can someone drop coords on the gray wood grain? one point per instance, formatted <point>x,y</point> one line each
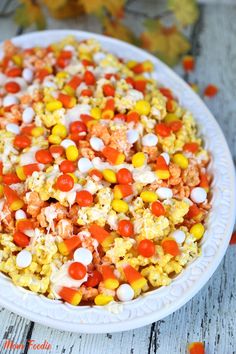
<point>210,315</point>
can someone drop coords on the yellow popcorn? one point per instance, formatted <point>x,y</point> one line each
<point>177,210</point>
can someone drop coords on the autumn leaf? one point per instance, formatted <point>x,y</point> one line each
<point>186,11</point>
<point>167,43</point>
<point>116,29</point>
<point>61,9</point>
<point>114,7</point>
<point>29,13</point>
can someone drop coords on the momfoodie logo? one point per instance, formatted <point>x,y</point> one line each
<point>31,344</point>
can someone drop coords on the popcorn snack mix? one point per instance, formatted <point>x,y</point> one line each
<point>104,187</point>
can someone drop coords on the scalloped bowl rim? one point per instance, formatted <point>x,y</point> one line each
<point>159,303</point>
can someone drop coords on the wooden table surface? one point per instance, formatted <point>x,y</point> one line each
<point>210,315</point>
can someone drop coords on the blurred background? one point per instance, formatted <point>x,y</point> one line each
<point>162,27</point>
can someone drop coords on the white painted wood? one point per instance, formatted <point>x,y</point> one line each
<point>210,315</point>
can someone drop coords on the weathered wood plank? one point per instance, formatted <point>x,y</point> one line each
<point>209,316</point>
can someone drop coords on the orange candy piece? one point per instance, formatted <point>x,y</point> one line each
<point>122,191</point>
<point>109,278</point>
<point>69,245</point>
<point>98,232</point>
<point>70,295</point>
<point>12,198</point>
<point>170,246</point>
<point>66,100</point>
<point>211,91</point>
<point>134,278</point>
<point>23,225</point>
<point>196,348</point>
<point>161,163</point>
<point>204,182</point>
<point>113,156</point>
<point>188,63</point>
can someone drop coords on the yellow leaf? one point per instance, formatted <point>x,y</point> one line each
<point>61,9</point>
<point>185,11</point>
<point>165,42</point>
<point>114,7</point>
<point>30,13</point>
<point>118,30</point>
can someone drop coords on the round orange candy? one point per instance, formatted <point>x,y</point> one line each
<point>124,176</point>
<point>77,270</point>
<point>126,228</point>
<point>67,166</point>
<point>21,141</point>
<point>12,87</point>
<point>157,209</point>
<point>43,156</point>
<point>84,198</point>
<point>21,239</point>
<point>65,183</point>
<point>146,248</point>
<point>162,129</point>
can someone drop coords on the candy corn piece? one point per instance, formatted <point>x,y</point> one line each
<point>71,296</point>
<point>122,190</point>
<point>74,82</point>
<point>67,100</point>
<point>196,348</point>
<point>27,170</point>
<point>108,111</point>
<point>188,63</point>
<point>194,212</point>
<point>170,246</point>
<point>109,278</point>
<point>162,170</point>
<point>68,245</point>
<point>101,235</point>
<point>134,278</point>
<point>102,300</point>
<point>204,182</point>
<point>113,156</point>
<point>24,225</point>
<point>87,119</point>
<point>12,198</point>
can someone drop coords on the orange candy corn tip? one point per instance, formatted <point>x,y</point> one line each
<point>134,278</point>
<point>12,198</point>
<point>113,156</point>
<point>71,296</point>
<point>66,246</point>
<point>101,235</point>
<point>109,278</point>
<point>196,348</point>
<point>122,191</point>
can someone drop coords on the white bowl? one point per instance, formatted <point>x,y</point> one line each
<point>159,303</point>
